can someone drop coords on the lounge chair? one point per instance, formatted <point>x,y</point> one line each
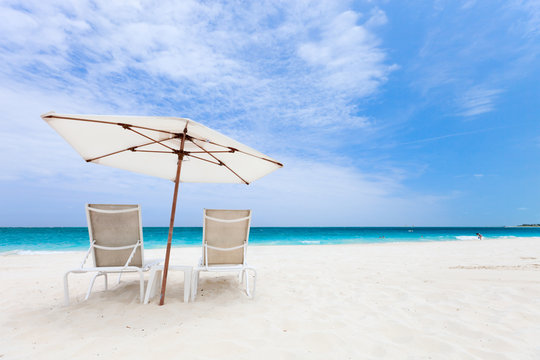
<point>225,240</point>
<point>116,244</point>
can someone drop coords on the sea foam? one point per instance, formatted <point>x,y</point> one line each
<point>32,252</point>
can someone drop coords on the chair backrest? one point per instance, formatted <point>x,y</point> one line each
<point>225,236</point>
<point>115,226</point>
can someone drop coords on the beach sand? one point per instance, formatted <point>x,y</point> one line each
<point>433,300</point>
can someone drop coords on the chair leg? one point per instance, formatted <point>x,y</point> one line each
<point>106,281</point>
<point>252,293</point>
<point>157,282</point>
<point>150,286</point>
<point>66,288</point>
<point>187,285</point>
<point>194,284</point>
<point>241,277</point>
<point>254,283</point>
<point>246,275</point>
<point>91,285</point>
<point>141,283</point>
<point>153,282</point>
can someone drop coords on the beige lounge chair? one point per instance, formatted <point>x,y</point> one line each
<point>225,241</point>
<point>116,244</point>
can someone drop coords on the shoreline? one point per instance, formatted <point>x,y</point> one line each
<point>22,252</point>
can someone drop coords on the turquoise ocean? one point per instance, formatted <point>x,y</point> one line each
<point>38,240</point>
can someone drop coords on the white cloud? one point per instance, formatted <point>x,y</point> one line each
<point>531,9</point>
<point>377,18</point>
<point>468,4</point>
<point>209,60</point>
<point>323,193</point>
<point>348,54</point>
<point>235,69</point>
<point>441,137</point>
<point>493,44</point>
<point>478,100</point>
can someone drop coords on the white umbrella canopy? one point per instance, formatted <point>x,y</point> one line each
<point>149,145</point>
<point>177,149</point>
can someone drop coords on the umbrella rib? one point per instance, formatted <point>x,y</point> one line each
<point>189,137</point>
<point>111,123</point>
<point>220,162</point>
<point>200,158</point>
<point>210,151</point>
<point>132,148</point>
<point>128,127</point>
<point>155,151</point>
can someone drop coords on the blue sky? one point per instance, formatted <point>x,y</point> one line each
<point>384,113</point>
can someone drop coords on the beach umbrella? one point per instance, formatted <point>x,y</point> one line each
<point>177,149</point>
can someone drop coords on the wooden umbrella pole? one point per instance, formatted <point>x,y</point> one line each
<point>173,213</point>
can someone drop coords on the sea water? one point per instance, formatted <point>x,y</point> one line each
<point>32,240</point>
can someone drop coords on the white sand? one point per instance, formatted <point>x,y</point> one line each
<point>446,300</point>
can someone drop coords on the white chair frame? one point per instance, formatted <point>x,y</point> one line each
<point>241,268</point>
<point>104,270</point>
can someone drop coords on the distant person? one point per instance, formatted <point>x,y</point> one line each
<point>480,237</point>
